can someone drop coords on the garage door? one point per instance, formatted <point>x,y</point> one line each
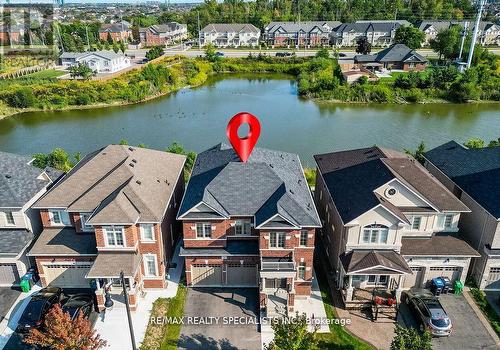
<point>452,272</point>
<point>8,274</point>
<point>206,275</point>
<point>239,275</point>
<point>493,281</point>
<point>67,275</point>
<point>414,280</point>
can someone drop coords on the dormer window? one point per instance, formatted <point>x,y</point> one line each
<point>444,221</point>
<point>59,218</point>
<point>415,223</point>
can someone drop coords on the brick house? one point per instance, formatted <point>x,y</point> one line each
<point>119,31</point>
<point>292,34</point>
<point>113,212</point>
<point>162,34</point>
<point>21,185</point>
<point>377,33</point>
<point>387,223</point>
<point>250,225</point>
<point>398,56</point>
<point>473,175</point>
<point>13,34</point>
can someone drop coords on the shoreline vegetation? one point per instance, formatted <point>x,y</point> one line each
<point>318,78</point>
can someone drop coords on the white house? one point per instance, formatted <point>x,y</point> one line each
<point>98,61</point>
<point>230,34</point>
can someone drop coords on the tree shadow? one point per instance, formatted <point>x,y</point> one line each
<point>202,342</point>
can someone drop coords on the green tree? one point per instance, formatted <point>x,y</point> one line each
<point>81,70</point>
<point>409,36</point>
<point>109,39</point>
<point>123,142</point>
<point>116,48</point>
<point>210,53</point>
<point>57,159</point>
<point>494,143</point>
<point>447,42</point>
<point>323,53</point>
<point>410,339</point>
<point>363,47</point>
<point>418,154</point>
<point>475,143</point>
<point>292,335</point>
<point>177,148</point>
<point>21,97</point>
<point>122,47</point>
<point>155,52</point>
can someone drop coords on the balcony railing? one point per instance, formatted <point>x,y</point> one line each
<point>278,266</point>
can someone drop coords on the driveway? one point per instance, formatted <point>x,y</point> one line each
<point>240,303</point>
<point>467,328</point>
<point>8,295</point>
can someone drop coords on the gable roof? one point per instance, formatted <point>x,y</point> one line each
<point>374,261</point>
<point>231,27</point>
<point>269,183</point>
<point>398,53</point>
<point>20,181</point>
<point>108,55</point>
<point>476,171</point>
<point>116,27</point>
<point>370,26</point>
<point>163,28</point>
<point>119,184</point>
<point>352,177</point>
<point>306,26</point>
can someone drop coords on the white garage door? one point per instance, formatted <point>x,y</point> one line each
<point>415,279</point>
<point>493,281</point>
<point>206,275</point>
<point>452,272</point>
<point>8,274</point>
<point>67,275</point>
<point>239,275</point>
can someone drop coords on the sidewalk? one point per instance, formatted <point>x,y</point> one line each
<point>112,325</point>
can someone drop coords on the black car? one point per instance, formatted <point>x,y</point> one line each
<point>79,304</point>
<point>284,54</point>
<point>429,311</point>
<point>38,307</point>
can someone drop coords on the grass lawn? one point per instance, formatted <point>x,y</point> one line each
<point>44,74</point>
<point>338,338</point>
<point>486,308</point>
<point>165,336</point>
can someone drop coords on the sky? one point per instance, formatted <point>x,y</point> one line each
<point>94,1</point>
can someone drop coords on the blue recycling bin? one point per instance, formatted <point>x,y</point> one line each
<point>437,285</point>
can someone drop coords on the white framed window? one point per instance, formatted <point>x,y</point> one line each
<point>415,223</point>
<point>203,230</point>
<point>84,217</point>
<point>303,238</point>
<point>376,234</point>
<point>301,271</point>
<point>277,239</point>
<point>114,236</point>
<point>9,218</point>
<point>59,218</point>
<point>150,265</point>
<point>147,232</point>
<point>444,221</point>
<point>242,227</point>
<point>448,221</point>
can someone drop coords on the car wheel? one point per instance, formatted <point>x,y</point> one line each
<point>422,328</point>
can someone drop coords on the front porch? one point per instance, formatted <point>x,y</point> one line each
<point>277,292</point>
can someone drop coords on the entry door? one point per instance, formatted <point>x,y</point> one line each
<point>275,283</point>
<point>8,274</point>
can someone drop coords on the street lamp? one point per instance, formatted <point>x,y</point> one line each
<point>130,326</point>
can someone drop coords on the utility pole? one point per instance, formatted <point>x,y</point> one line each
<point>476,29</point>
<point>199,30</point>
<point>464,35</point>
<point>87,34</point>
<point>130,326</point>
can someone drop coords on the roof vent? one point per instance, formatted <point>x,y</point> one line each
<point>138,182</point>
<point>8,176</point>
<point>134,160</point>
<point>131,164</point>
<point>131,149</point>
<point>158,180</point>
<point>272,166</point>
<point>292,192</point>
<point>166,181</point>
<point>299,181</point>
<point>281,156</point>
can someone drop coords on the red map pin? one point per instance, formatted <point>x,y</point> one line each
<point>243,146</point>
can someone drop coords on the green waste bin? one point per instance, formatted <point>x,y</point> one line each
<point>458,287</point>
<point>25,285</point>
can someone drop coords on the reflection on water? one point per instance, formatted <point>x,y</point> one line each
<point>197,118</point>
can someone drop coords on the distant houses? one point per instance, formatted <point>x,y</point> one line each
<point>98,61</point>
<point>13,34</point>
<point>162,34</point>
<point>118,31</point>
<point>291,34</point>
<point>230,35</point>
<point>488,32</point>
<point>378,33</point>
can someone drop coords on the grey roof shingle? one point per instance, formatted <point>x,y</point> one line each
<point>269,183</point>
<point>437,245</point>
<point>110,264</point>
<point>63,241</point>
<point>13,242</point>
<point>231,27</point>
<point>395,53</point>
<point>20,181</point>
<point>306,26</point>
<point>476,171</point>
<point>363,260</point>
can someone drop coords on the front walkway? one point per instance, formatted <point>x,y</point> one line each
<point>112,325</point>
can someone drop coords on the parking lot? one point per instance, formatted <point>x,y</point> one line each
<point>468,331</point>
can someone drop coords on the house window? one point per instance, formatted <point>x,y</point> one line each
<point>415,223</point>
<point>84,217</point>
<point>376,234</point>
<point>301,270</point>
<point>242,227</point>
<point>150,266</point>
<point>203,230</point>
<point>303,238</point>
<point>59,218</point>
<point>277,240</point>
<point>147,232</point>
<point>448,221</point>
<point>9,218</point>
<point>114,236</point>
<point>444,221</point>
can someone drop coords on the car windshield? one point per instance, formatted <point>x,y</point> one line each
<point>33,311</point>
<point>438,316</point>
<point>441,322</point>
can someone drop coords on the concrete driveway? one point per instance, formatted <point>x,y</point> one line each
<point>468,331</point>
<point>8,295</point>
<point>241,303</point>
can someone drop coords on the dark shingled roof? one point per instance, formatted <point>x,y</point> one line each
<point>233,248</point>
<point>63,241</point>
<point>476,171</point>
<point>20,181</point>
<point>437,245</point>
<point>378,260</point>
<point>110,264</point>
<point>269,183</point>
<point>352,177</point>
<point>395,53</point>
<point>13,242</point>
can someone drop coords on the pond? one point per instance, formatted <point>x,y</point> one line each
<point>197,118</point>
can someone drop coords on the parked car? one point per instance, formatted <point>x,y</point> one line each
<point>284,54</point>
<point>79,304</point>
<point>219,54</point>
<point>429,312</point>
<point>38,307</point>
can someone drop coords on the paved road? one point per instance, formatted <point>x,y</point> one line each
<point>468,331</point>
<point>7,298</point>
<point>214,302</point>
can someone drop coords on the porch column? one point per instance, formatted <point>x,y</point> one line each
<point>399,289</point>
<point>350,289</point>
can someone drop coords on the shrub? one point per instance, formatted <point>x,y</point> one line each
<point>83,99</point>
<point>414,95</point>
<point>22,97</point>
